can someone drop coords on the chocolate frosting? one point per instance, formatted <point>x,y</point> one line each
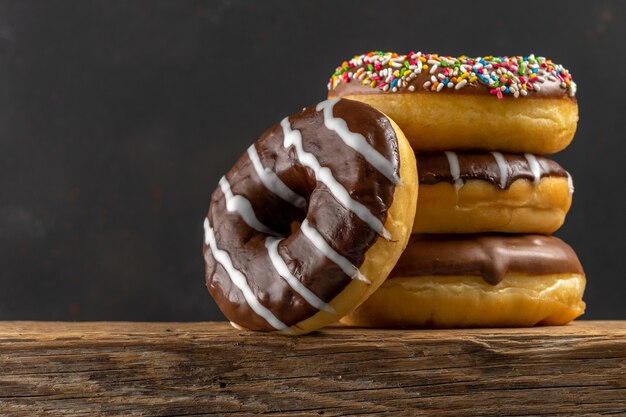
<point>549,89</point>
<point>435,167</point>
<point>490,256</point>
<point>348,234</point>
<point>387,73</point>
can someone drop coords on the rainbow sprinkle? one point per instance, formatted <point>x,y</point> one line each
<point>516,75</point>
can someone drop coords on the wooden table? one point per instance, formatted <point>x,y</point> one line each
<point>158,369</point>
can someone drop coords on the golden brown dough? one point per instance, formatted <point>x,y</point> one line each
<point>439,122</point>
<point>468,301</point>
<point>481,206</point>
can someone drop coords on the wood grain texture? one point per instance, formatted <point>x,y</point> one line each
<point>174,369</point>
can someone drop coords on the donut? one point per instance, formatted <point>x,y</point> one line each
<point>464,192</point>
<point>510,104</point>
<point>311,219</point>
<point>478,280</point>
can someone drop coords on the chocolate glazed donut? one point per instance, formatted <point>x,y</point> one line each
<point>338,170</point>
<point>478,280</point>
<point>470,192</point>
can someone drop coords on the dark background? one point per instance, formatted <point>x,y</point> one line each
<point>117,119</point>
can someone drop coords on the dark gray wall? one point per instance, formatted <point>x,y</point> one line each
<point>117,118</point>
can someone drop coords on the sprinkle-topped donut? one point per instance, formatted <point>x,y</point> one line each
<point>311,219</point>
<point>500,76</point>
<point>445,103</point>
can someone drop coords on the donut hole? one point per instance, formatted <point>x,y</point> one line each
<point>280,215</point>
<point>284,218</point>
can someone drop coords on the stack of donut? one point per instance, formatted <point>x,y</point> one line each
<point>481,253</point>
<point>415,196</point>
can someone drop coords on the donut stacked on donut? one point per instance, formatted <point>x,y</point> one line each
<point>518,104</point>
<point>481,254</point>
<point>478,280</point>
<point>311,219</point>
<point>469,192</point>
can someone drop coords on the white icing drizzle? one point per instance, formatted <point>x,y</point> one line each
<point>242,205</point>
<point>535,168</point>
<point>503,166</point>
<point>281,267</point>
<point>356,141</point>
<point>272,182</point>
<point>325,176</point>
<point>318,241</point>
<point>455,169</point>
<point>239,280</point>
<point>570,184</point>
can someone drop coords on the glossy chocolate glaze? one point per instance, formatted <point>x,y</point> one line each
<point>350,236</point>
<point>549,89</point>
<point>434,167</point>
<point>490,256</point>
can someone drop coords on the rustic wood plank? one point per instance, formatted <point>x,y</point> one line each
<point>158,369</point>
